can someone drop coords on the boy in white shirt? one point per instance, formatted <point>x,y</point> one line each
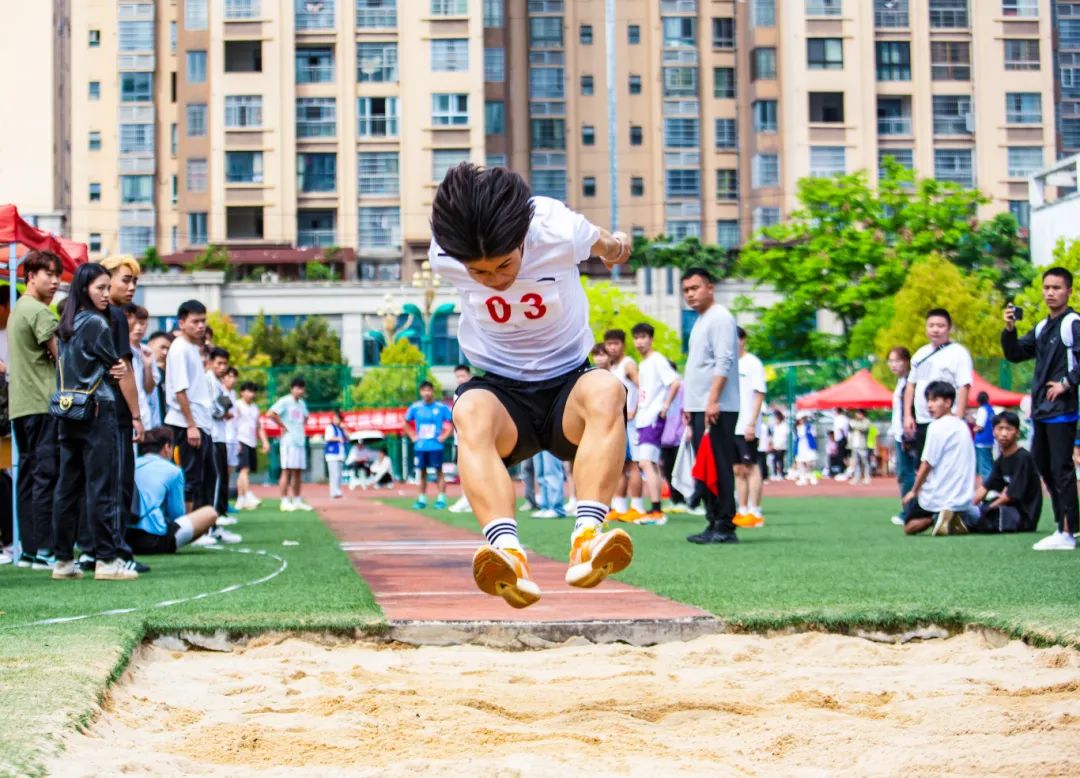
<point>657,384</point>
<point>945,484</point>
<point>747,473</point>
<point>249,434</point>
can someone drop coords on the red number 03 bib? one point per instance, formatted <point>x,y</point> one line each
<point>524,306</point>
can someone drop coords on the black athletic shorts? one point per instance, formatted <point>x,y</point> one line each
<point>745,450</point>
<point>143,543</point>
<point>536,408</point>
<point>248,459</point>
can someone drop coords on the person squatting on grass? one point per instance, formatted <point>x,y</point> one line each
<point>939,360</point>
<point>944,487</point>
<point>1054,344</point>
<point>428,424</point>
<point>1010,497</point>
<point>290,413</point>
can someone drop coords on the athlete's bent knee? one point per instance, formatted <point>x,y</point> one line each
<point>605,399</point>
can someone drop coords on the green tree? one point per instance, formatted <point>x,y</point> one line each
<point>611,308</point>
<point>312,342</point>
<point>269,338</point>
<point>688,253</point>
<point>997,252</point>
<point>242,350</point>
<point>1066,255</point>
<point>151,261</point>
<point>212,258</point>
<point>394,383</point>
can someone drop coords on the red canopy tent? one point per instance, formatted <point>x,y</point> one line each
<point>22,237</point>
<point>998,396</point>
<point>859,391</point>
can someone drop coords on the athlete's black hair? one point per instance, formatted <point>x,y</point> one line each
<point>643,328</point>
<point>217,352</point>
<point>698,271</point>
<point>427,385</point>
<point>618,335</point>
<point>983,398</point>
<point>1061,273</point>
<point>1007,417</point>
<point>741,333</point>
<point>940,312</point>
<point>941,390</point>
<point>189,307</point>
<point>481,212</point>
<point>298,382</point>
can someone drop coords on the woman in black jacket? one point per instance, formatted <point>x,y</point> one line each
<point>89,450</point>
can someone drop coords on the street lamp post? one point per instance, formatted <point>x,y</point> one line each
<point>429,281</point>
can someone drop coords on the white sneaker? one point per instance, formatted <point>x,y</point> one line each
<point>227,521</point>
<point>205,540</point>
<point>300,505</point>
<point>252,500</point>
<point>116,570</point>
<point>68,569</point>
<point>571,505</point>
<point>5,558</point>
<point>698,511</point>
<point>1059,541</point>
<point>224,536</point>
<point>897,521</point>
<point>287,506</point>
<point>546,513</point>
<point>242,503</point>
<point>461,506</point>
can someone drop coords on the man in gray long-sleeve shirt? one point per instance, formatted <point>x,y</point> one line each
<point>711,398</point>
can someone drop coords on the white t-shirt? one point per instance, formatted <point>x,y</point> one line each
<point>138,366</point>
<point>751,381</point>
<point>951,453</point>
<point>539,327</point>
<point>896,425</point>
<point>620,371</point>
<point>655,377</point>
<point>951,363</point>
<point>217,425</point>
<point>230,424</point>
<point>184,372</point>
<point>780,435</point>
<point>247,423</point>
<point>840,427</point>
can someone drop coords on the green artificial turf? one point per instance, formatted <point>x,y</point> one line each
<point>838,563</point>
<point>50,676</point>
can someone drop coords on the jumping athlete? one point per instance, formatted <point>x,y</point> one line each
<point>525,322</point>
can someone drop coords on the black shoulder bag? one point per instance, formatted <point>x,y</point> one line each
<point>73,404</point>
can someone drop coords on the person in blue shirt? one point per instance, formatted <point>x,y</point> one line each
<point>162,526</point>
<point>428,424</point>
<point>984,438</point>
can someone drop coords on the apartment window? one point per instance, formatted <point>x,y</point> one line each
<point>316,117</point>
<point>1068,29</point>
<point>724,82</point>
<point>585,34</point>
<point>172,37</point>
<point>94,90</point>
<point>196,119</point>
<point>1024,160</point>
<point>1022,54</point>
<point>378,173</point>
<point>727,234</point>
<point>681,229</point>
<point>376,63</point>
<point>136,36</point>
<point>635,85</point>
<point>172,87</point>
<point>586,86</point>
<point>377,117</point>
<point>588,186</point>
<point>763,64</point>
<point>315,65</point>
<point>893,60</point>
<point>376,14</point>
<point>723,33</point>
<point>682,133</point>
<point>637,135</point>
<point>95,242</point>
<point>637,186</point>
<point>242,9</point>
<point>549,183</point>
<point>1021,8</point>
<point>244,167</point>
<point>379,228</point>
<point>449,110</point>
<point>764,217</point>
<point>1021,211</point>
<point>136,138</point>
<point>588,135</point>
<point>546,83</point>
<point>95,141</point>
<point>546,32</point>
<point>727,184</point>
<point>765,115</point>
<point>196,67</point>
<point>1069,132</point>
<point>95,192</point>
<point>243,56</point>
<point>314,14</point>
<point>135,240</point>
<point>765,170</point>
<point>243,110</point>
<point>493,14</point>
<point>825,53</point>
<point>196,175</point>
<point>823,7</point>
<point>95,38</point>
<point>494,117</point>
<point>136,87</point>
<point>197,228</point>
<point>893,115</point>
<point>495,160</point>
<point>548,133</point>
<point>950,61</point>
<point>1023,108</point>
<point>954,165</point>
<point>905,157</point>
<point>195,15</point>
<point>444,159</point>
<point>450,55</point>
<point>680,82</point>
<point>682,183</point>
<point>679,32</point>
<point>449,7</point>
<point>494,65</point>
<point>952,115</point>
<point>763,13</point>
<point>316,172</point>
<point>891,14</point>
<point>726,134</point>
<point>949,14</point>
<point>175,191</point>
<point>827,161</point>
<point>827,107</point>
<point>174,138</point>
<point>633,34</point>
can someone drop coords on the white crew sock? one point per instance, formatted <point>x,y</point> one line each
<point>638,504</point>
<point>756,511</point>
<point>743,510</point>
<point>589,514</point>
<point>619,505</point>
<point>502,533</point>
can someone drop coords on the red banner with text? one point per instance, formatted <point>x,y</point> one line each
<point>387,420</point>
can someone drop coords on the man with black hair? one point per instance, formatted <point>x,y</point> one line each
<point>628,504</point>
<point>249,434</point>
<point>984,436</point>
<point>658,383</point>
<point>942,359</point>
<point>1010,498</point>
<point>158,353</point>
<point>220,412</point>
<point>748,479</point>
<point>428,424</point>
<point>525,321</point>
<point>290,413</point>
<point>1054,344</point>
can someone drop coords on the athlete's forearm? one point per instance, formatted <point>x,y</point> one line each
<point>613,248</point>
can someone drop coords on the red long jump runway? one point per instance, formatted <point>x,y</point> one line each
<point>420,569</point>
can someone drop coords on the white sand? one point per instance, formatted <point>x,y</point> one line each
<point>809,704</point>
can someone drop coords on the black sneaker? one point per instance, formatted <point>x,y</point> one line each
<point>702,537</point>
<point>711,536</point>
<point>87,563</point>
<point>25,561</point>
<point>140,567</point>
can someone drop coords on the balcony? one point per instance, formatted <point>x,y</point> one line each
<point>314,74</point>
<point>242,9</point>
<point>314,15</point>
<point>368,18</point>
<point>953,125</point>
<point>318,239</point>
<point>894,125</point>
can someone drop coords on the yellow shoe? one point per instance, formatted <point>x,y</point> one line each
<point>632,516</point>
<point>595,555</point>
<point>748,520</point>
<point>505,573</point>
<point>614,515</point>
<point>656,519</point>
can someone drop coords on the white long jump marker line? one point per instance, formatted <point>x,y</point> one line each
<point>168,603</point>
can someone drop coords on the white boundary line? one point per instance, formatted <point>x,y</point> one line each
<point>167,603</point>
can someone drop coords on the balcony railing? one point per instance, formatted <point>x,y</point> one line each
<point>315,14</point>
<point>242,9</point>
<point>951,125</point>
<point>314,74</point>
<point>316,238</point>
<point>894,125</point>
<point>375,18</point>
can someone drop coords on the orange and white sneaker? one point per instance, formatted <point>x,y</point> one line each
<point>748,520</point>
<point>653,518</point>
<point>504,572</point>
<point>595,555</point>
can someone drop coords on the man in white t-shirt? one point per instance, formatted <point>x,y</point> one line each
<point>249,434</point>
<point>525,322</point>
<point>747,472</point>
<point>627,505</point>
<point>939,360</point>
<point>945,484</point>
<point>658,383</point>
<point>290,412</point>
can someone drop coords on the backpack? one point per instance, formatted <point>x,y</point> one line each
<point>1067,322</point>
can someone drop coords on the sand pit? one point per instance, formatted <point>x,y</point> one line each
<point>800,705</point>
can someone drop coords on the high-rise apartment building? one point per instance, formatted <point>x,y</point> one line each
<point>1066,36</point>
